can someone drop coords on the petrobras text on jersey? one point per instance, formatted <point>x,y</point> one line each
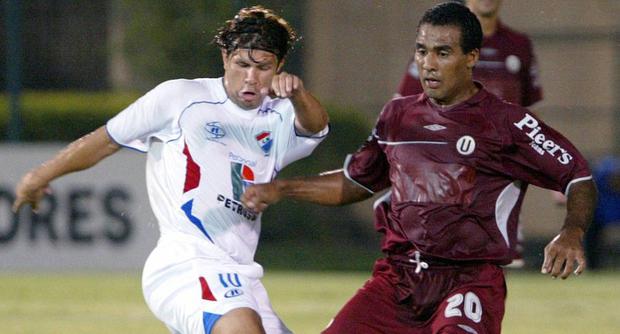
<point>237,207</point>
<point>540,143</point>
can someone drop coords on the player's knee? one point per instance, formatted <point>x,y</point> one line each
<point>239,321</point>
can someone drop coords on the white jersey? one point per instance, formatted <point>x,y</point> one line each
<point>203,151</point>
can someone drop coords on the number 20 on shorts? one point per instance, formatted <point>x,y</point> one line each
<point>468,304</point>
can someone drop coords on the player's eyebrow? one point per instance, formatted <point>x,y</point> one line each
<point>436,48</point>
<point>444,47</point>
<point>249,58</point>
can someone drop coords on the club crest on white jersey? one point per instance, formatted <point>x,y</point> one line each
<point>264,141</point>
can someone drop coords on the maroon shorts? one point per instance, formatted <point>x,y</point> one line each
<point>439,299</point>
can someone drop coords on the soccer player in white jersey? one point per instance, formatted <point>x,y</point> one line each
<point>207,140</point>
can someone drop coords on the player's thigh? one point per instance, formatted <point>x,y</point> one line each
<point>271,321</point>
<point>475,309</point>
<point>239,321</point>
<point>260,318</point>
<point>457,330</point>
<point>372,310</point>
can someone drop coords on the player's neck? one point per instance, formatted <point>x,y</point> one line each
<point>489,25</point>
<point>466,92</point>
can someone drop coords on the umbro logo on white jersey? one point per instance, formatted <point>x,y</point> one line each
<point>434,127</point>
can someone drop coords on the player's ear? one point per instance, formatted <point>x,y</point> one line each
<point>472,58</point>
<point>224,57</point>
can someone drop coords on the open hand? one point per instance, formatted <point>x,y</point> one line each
<point>563,252</point>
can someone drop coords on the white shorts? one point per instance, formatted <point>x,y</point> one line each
<point>190,295</point>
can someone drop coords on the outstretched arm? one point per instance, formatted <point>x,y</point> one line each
<point>80,154</point>
<point>567,247</point>
<point>331,188</point>
<point>310,116</point>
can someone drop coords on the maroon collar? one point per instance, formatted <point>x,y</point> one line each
<point>473,100</point>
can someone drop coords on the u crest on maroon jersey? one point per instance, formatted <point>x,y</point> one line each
<point>466,145</point>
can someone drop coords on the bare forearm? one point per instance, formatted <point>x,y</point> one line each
<point>309,113</point>
<point>79,155</point>
<point>581,202</point>
<point>327,189</point>
<point>566,248</point>
<point>331,188</point>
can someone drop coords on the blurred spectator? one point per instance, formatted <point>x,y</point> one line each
<point>606,174</point>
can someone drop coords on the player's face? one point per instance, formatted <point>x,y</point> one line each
<point>445,71</point>
<point>247,76</point>
<point>484,8</point>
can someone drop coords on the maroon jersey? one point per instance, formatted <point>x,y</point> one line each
<point>459,174</point>
<point>507,68</point>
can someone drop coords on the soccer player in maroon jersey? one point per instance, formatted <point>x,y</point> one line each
<point>507,67</point>
<point>459,160</point>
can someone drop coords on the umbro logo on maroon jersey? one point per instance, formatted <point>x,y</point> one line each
<point>434,127</point>
<point>540,142</point>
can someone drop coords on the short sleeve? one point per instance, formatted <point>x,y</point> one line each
<point>153,115</point>
<point>292,146</point>
<point>368,167</point>
<point>540,155</point>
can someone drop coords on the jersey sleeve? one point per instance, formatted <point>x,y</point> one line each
<point>532,90</point>
<point>151,116</point>
<point>291,145</point>
<point>369,167</point>
<point>540,155</point>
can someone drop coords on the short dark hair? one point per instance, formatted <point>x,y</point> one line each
<point>455,14</point>
<point>257,28</point>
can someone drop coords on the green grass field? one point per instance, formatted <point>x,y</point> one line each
<point>112,303</point>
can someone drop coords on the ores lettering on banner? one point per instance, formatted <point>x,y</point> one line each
<point>80,215</point>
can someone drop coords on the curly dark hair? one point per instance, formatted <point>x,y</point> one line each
<point>257,28</point>
<point>455,14</point>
